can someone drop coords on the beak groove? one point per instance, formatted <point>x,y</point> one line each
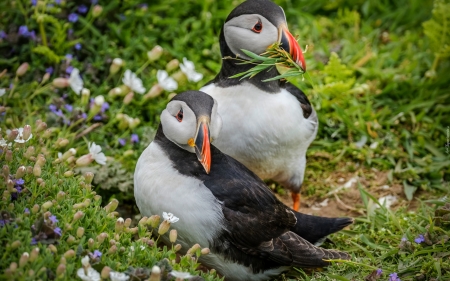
<point>290,44</point>
<point>203,146</point>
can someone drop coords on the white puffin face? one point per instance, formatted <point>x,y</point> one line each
<point>250,32</point>
<point>180,124</point>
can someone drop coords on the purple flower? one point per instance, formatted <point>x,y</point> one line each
<point>32,35</point>
<point>97,117</point>
<point>3,34</point>
<point>27,211</point>
<point>23,30</point>
<point>419,239</point>
<point>69,69</point>
<point>78,46</point>
<point>105,107</point>
<point>82,9</point>
<point>53,219</point>
<point>97,254</point>
<point>33,2</point>
<point>83,115</point>
<point>394,277</point>
<point>122,141</point>
<point>49,70</point>
<point>68,107</point>
<point>58,2</point>
<point>52,108</point>
<point>69,57</point>
<point>20,181</point>
<point>134,138</point>
<point>33,241</point>
<point>57,230</point>
<point>379,272</point>
<point>73,17</point>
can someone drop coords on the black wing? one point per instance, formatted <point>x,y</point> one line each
<point>301,97</point>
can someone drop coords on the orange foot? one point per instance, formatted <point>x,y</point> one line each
<point>296,199</point>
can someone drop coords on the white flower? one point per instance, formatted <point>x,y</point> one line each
<point>19,137</point>
<point>2,92</point>
<point>181,275</point>
<point>4,143</point>
<point>170,217</point>
<point>133,82</point>
<point>75,81</point>
<point>90,274</point>
<point>188,68</point>
<point>97,154</point>
<point>142,247</point>
<point>118,276</point>
<point>118,61</point>
<point>99,100</point>
<point>166,82</point>
<point>85,261</point>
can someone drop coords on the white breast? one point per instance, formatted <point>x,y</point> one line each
<point>159,187</point>
<point>266,132</point>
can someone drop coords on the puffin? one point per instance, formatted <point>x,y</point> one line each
<point>267,126</point>
<point>221,204</point>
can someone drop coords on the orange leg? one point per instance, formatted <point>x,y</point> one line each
<point>296,199</point>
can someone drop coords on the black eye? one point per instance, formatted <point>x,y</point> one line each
<point>258,27</point>
<point>179,115</point>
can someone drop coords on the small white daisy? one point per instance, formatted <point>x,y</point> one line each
<point>188,68</point>
<point>19,138</point>
<point>181,275</point>
<point>75,81</point>
<point>118,276</point>
<point>170,217</point>
<point>133,82</point>
<point>89,275</point>
<point>165,81</point>
<point>96,152</point>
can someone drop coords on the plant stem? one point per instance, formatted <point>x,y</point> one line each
<point>43,35</point>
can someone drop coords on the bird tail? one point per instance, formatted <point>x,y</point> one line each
<point>315,229</point>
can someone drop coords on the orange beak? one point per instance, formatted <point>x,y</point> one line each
<point>202,144</point>
<point>290,44</point>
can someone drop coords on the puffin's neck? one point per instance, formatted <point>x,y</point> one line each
<point>232,67</point>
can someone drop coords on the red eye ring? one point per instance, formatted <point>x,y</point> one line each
<point>179,115</point>
<point>257,27</point>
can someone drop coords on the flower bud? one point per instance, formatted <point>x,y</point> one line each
<point>70,240</point>
<point>47,205</point>
<point>5,171</point>
<point>193,249</point>
<point>30,152</point>
<point>163,227</point>
<point>99,100</point>
<point>60,196</point>
<point>35,209</point>
<point>173,236</point>
<point>41,160</point>
<point>60,83</point>
<point>133,124</point>
<point>111,206</point>
<point>153,221</point>
<point>13,267</point>
<point>154,91</point>
<point>101,237</point>
<point>105,272</point>
<point>85,94</point>
<point>112,250</point>
<point>128,98</point>
<point>45,77</point>
<point>26,132</point>
<point>47,133</point>
<point>80,232</point>
<point>78,215</point>
<point>156,274</point>
<point>88,176</point>
<point>172,65</point>
<point>52,248</point>
<point>23,68</point>
<point>63,142</point>
<point>127,222</point>
<point>84,160</point>
<point>205,251</point>
<point>115,92</point>
<point>37,170</point>
<point>155,53</point>
<point>13,135</point>
<point>177,247</point>
<point>115,66</point>
<point>34,254</point>
<point>68,153</point>
<point>23,259</point>
<point>8,155</point>
<point>119,225</point>
<point>10,186</point>
<point>180,77</point>
<point>69,254</point>
<point>41,127</point>
<point>20,172</point>
<point>143,221</point>
<point>68,174</point>
<point>61,270</point>
<point>91,243</point>
<point>97,10</point>
<point>15,244</point>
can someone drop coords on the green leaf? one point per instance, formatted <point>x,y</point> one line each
<point>409,190</point>
<point>49,54</point>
